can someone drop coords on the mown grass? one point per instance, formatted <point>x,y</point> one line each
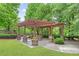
<point>16,48</point>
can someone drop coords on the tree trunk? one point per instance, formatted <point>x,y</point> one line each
<point>8,27</point>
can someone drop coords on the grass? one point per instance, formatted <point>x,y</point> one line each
<point>16,48</point>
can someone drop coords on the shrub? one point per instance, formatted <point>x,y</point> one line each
<point>45,35</point>
<point>59,41</point>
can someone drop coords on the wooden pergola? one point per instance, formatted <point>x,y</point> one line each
<point>37,24</point>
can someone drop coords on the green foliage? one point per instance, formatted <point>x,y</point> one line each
<point>63,12</point>
<point>59,41</point>
<point>8,15</point>
<point>28,31</point>
<point>38,11</point>
<point>45,33</point>
<point>56,31</point>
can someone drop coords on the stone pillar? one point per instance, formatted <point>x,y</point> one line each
<point>34,39</point>
<point>39,34</point>
<point>24,38</point>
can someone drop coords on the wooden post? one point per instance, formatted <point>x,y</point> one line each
<point>37,31</point>
<point>24,30</point>
<point>42,29</point>
<point>18,34</point>
<point>62,31</point>
<point>18,31</point>
<point>50,33</point>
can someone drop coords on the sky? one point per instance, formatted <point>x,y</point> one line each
<point>22,11</point>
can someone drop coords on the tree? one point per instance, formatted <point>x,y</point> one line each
<point>8,15</point>
<point>63,12</point>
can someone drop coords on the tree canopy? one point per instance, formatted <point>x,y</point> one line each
<point>8,15</point>
<point>60,12</point>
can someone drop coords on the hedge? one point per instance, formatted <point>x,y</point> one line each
<point>7,36</point>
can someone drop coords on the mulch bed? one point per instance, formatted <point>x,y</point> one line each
<point>10,37</point>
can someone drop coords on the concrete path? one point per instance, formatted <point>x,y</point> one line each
<point>68,47</point>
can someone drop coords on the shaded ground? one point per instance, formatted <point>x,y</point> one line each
<point>16,48</point>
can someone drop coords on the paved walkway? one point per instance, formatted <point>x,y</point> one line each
<point>68,47</point>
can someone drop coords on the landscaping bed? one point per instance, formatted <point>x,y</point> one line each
<point>74,38</point>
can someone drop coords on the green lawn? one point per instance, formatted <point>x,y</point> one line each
<point>16,48</point>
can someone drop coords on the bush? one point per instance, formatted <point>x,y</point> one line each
<point>45,35</point>
<point>59,41</point>
<point>56,36</point>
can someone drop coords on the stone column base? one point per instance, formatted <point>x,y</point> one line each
<point>18,37</point>
<point>21,38</point>
<point>24,39</point>
<point>50,38</point>
<point>39,37</point>
<point>34,42</point>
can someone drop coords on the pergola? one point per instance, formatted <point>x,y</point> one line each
<point>37,24</point>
